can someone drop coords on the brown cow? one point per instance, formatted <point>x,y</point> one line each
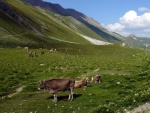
<point>82,83</point>
<point>35,54</point>
<point>30,54</point>
<point>96,79</point>
<point>55,85</point>
<point>42,52</point>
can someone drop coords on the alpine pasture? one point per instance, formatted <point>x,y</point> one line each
<point>125,74</point>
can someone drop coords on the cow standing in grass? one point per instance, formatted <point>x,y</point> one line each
<point>42,52</point>
<point>82,83</point>
<point>51,50</point>
<point>96,79</point>
<point>35,54</point>
<point>30,54</point>
<point>55,85</point>
<point>26,48</point>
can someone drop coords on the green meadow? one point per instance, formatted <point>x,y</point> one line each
<point>125,73</point>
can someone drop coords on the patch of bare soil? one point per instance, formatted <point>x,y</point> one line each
<point>17,91</point>
<point>145,108</point>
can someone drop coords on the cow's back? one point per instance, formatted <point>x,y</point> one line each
<point>60,84</point>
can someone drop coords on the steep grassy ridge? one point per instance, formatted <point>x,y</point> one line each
<point>92,26</point>
<point>21,19</point>
<point>78,27</point>
<point>36,23</point>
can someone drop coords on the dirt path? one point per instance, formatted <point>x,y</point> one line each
<point>17,91</point>
<point>89,73</point>
<point>145,108</point>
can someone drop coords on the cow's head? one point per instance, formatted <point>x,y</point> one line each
<point>42,85</point>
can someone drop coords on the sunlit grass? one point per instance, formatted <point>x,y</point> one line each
<point>125,79</point>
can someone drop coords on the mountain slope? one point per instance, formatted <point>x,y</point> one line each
<point>89,22</point>
<point>32,25</point>
<point>138,42</point>
<point>24,25</point>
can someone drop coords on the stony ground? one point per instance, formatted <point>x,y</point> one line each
<point>145,108</point>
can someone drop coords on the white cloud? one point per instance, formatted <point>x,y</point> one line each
<point>132,23</point>
<point>132,20</point>
<point>115,27</point>
<point>143,9</point>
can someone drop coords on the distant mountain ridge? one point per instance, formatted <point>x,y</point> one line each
<point>137,42</point>
<point>38,23</point>
<point>89,22</point>
<point>56,8</point>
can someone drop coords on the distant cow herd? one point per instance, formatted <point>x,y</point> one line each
<point>34,54</point>
<point>64,84</point>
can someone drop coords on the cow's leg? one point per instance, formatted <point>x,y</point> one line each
<point>55,97</point>
<point>70,94</point>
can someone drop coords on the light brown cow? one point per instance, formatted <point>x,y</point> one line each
<point>30,54</point>
<point>82,83</point>
<point>96,79</point>
<point>55,85</point>
<point>35,54</point>
<point>52,50</point>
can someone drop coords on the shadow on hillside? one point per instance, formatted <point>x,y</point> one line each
<point>65,97</point>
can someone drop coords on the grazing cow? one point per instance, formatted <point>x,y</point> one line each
<point>30,54</point>
<point>26,48</point>
<point>96,79</point>
<point>51,50</point>
<point>42,52</point>
<point>55,50</point>
<point>55,85</point>
<point>35,54</point>
<point>82,83</point>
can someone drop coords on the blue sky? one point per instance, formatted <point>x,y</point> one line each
<point>122,16</point>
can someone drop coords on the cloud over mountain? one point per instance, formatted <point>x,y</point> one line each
<point>116,26</point>
<point>131,22</point>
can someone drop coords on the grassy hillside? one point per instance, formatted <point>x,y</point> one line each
<point>35,24</point>
<point>25,25</point>
<point>125,74</point>
<point>138,42</point>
